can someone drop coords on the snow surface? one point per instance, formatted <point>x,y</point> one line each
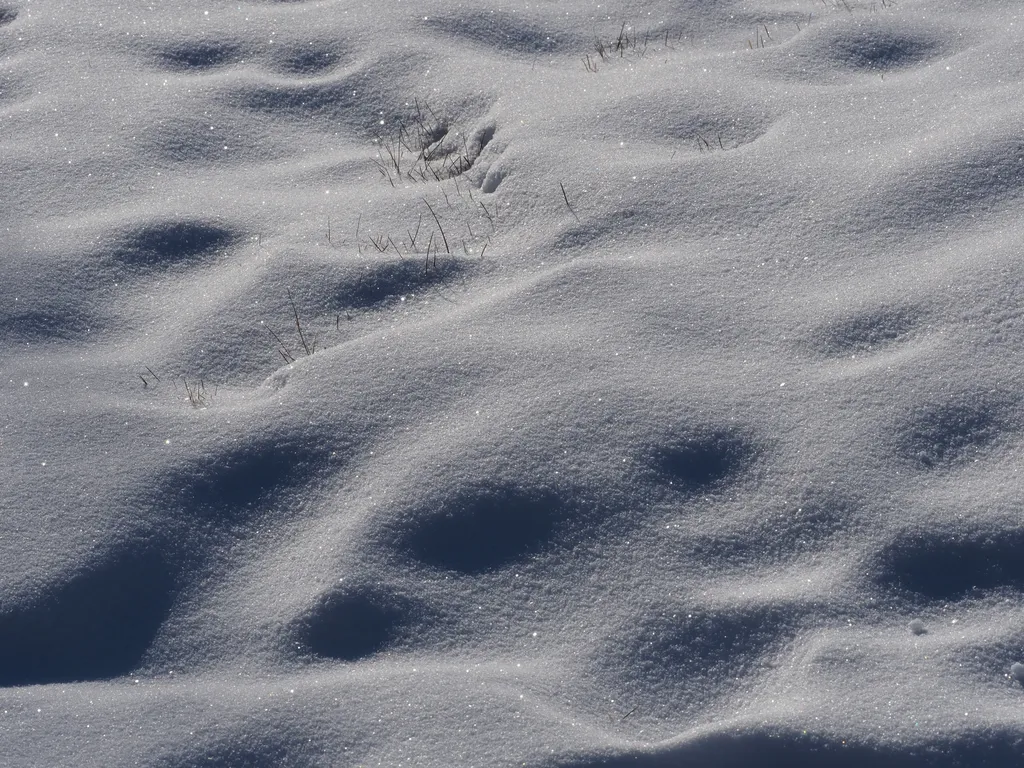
<point>559,384</point>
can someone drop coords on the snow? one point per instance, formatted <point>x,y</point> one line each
<point>553,384</point>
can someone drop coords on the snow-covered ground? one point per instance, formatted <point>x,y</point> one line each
<point>560,384</point>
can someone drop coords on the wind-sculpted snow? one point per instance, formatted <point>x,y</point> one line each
<point>439,384</point>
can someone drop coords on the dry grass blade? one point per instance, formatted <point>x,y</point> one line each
<point>298,326</point>
<point>567,203</point>
<point>439,227</point>
<point>282,348</point>
<point>198,397</point>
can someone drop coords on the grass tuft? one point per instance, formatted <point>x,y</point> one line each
<point>425,147</point>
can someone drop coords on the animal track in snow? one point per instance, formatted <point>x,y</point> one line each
<point>951,565</point>
<point>96,624</point>
<point>354,623</point>
<point>484,529</point>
